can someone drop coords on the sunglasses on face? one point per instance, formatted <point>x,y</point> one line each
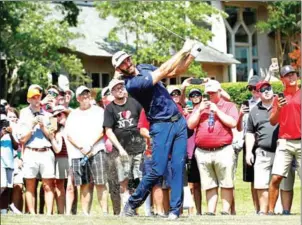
<point>52,93</point>
<point>251,88</point>
<point>175,94</point>
<point>265,88</point>
<point>195,95</point>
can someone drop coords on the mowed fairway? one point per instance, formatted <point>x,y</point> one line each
<point>245,213</point>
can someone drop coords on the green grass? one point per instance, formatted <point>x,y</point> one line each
<point>244,208</point>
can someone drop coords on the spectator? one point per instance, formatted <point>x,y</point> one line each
<point>193,173</point>
<point>4,103</point>
<point>248,171</point>
<point>215,118</point>
<point>69,94</point>
<point>287,113</point>
<point>61,156</point>
<point>7,145</point>
<point>51,99</point>
<point>86,149</point>
<point>38,157</point>
<point>121,119</point>
<point>260,134</point>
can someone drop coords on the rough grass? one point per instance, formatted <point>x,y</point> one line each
<point>244,208</point>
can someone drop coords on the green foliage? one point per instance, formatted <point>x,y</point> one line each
<point>145,20</point>
<point>31,42</point>
<point>238,91</point>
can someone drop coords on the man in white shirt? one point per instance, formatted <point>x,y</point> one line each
<point>86,148</point>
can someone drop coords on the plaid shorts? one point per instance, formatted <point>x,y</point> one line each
<point>94,171</point>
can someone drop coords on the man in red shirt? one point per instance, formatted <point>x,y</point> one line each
<point>214,120</point>
<point>287,112</point>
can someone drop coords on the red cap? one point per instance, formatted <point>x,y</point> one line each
<point>261,83</point>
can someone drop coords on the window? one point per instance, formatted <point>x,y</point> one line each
<point>95,80</point>
<point>105,79</point>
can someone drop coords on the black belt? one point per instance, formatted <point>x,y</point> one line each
<point>171,119</point>
<point>213,149</point>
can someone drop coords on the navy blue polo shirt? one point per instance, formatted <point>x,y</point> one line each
<point>155,99</point>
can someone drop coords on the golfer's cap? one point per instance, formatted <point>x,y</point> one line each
<point>118,58</point>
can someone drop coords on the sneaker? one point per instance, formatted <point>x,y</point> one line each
<point>260,213</point>
<point>172,216</point>
<point>128,211</point>
<point>223,213</point>
<point>3,211</point>
<point>286,212</point>
<point>271,214</point>
<point>13,208</point>
<point>161,215</point>
<point>209,214</point>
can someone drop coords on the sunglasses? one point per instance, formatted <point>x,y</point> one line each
<point>265,88</point>
<point>195,95</point>
<point>52,93</point>
<point>251,88</point>
<point>175,94</point>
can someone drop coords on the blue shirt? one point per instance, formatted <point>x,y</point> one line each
<point>155,99</point>
<point>7,152</point>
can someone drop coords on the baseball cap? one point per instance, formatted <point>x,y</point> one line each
<point>68,90</point>
<point>261,84</point>
<point>194,90</point>
<point>287,69</point>
<point>81,89</point>
<point>173,88</point>
<point>114,82</point>
<point>212,86</point>
<point>104,91</point>
<point>3,102</point>
<point>60,108</point>
<point>253,80</point>
<point>33,92</point>
<point>118,58</point>
<point>35,86</point>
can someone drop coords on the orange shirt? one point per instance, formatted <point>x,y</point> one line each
<point>290,116</point>
<point>218,135</point>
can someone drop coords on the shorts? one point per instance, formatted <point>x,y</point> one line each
<point>216,168</point>
<point>286,151</point>
<point>61,167</point>
<point>130,169</point>
<point>287,184</point>
<point>263,168</point>
<point>38,162</point>
<point>6,177</point>
<point>193,172</point>
<point>248,171</point>
<point>94,171</point>
<point>164,181</point>
<point>18,173</point>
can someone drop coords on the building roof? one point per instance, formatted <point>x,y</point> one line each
<point>95,31</point>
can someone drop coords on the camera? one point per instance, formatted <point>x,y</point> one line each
<point>197,81</point>
<point>4,124</point>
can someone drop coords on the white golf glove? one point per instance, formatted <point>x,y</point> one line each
<point>196,49</point>
<point>188,45</point>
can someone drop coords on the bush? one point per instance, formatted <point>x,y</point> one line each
<point>238,91</point>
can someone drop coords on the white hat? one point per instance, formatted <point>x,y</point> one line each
<point>3,102</point>
<point>212,86</point>
<point>104,91</point>
<point>35,86</point>
<point>68,89</point>
<point>118,58</point>
<point>173,88</point>
<point>81,89</point>
<point>58,109</point>
<point>114,82</point>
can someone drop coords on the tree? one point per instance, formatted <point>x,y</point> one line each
<point>31,47</point>
<point>283,20</point>
<point>147,22</point>
<point>295,55</point>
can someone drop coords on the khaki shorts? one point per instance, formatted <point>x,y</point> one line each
<point>38,162</point>
<point>216,168</point>
<point>287,184</point>
<point>61,167</point>
<point>286,151</point>
<point>263,168</point>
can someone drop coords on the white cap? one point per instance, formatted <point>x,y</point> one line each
<point>118,58</point>
<point>212,86</point>
<point>173,88</point>
<point>115,82</point>
<point>81,89</point>
<point>68,89</point>
<point>104,91</point>
<point>3,102</point>
<point>35,86</point>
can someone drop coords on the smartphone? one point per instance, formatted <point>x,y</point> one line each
<point>280,95</point>
<point>54,123</point>
<point>275,64</point>
<point>206,97</point>
<point>189,104</point>
<point>246,103</point>
<point>196,81</point>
